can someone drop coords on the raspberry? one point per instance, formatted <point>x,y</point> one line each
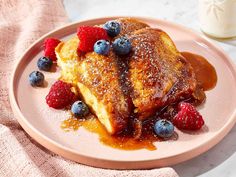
<point>88,35</point>
<point>60,95</point>
<point>188,118</point>
<point>49,48</point>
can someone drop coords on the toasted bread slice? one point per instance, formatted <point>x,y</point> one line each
<point>100,86</point>
<point>158,73</point>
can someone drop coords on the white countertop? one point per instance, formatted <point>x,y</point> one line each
<point>221,159</point>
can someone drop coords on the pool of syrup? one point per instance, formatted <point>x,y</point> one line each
<point>204,71</point>
<point>206,77</point>
<point>125,141</point>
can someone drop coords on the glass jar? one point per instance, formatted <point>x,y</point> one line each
<point>218,17</point>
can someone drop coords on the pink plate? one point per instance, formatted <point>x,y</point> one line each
<point>43,123</point>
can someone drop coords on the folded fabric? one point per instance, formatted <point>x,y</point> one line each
<point>21,23</point>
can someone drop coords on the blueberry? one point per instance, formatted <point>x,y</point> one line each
<point>164,128</point>
<point>79,109</point>
<point>121,46</point>
<point>112,28</point>
<point>36,78</point>
<point>102,47</point>
<point>44,63</point>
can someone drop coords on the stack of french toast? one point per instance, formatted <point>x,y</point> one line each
<point>153,75</point>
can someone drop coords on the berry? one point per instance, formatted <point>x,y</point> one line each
<point>102,47</point>
<point>188,118</point>
<point>164,128</point>
<point>79,109</point>
<point>49,48</point>
<point>44,63</point>
<point>60,95</point>
<point>36,78</point>
<point>112,28</point>
<point>121,46</point>
<point>88,35</point>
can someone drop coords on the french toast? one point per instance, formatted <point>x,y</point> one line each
<point>99,80</point>
<point>100,87</point>
<point>158,73</point>
<point>153,75</point>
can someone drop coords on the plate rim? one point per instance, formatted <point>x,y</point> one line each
<point>115,164</point>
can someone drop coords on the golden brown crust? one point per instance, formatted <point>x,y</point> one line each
<point>100,74</point>
<point>158,74</point>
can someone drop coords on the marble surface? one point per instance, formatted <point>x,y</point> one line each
<point>221,159</point>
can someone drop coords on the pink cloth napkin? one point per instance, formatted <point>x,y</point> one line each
<point>22,22</point>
